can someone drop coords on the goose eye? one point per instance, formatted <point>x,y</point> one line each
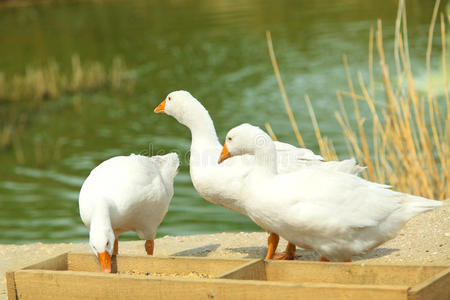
<point>230,139</point>
<point>107,244</point>
<point>169,98</point>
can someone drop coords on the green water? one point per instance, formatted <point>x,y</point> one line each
<point>215,49</point>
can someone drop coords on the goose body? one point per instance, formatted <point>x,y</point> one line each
<point>337,214</point>
<point>126,193</point>
<point>207,175</point>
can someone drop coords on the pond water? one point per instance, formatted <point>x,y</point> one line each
<point>215,49</point>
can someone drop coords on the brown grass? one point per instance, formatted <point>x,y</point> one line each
<point>49,81</point>
<point>406,140</point>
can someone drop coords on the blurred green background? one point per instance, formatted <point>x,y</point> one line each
<point>214,49</point>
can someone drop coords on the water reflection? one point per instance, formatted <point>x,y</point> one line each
<point>215,49</point>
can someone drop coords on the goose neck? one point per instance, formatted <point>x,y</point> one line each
<point>101,217</point>
<point>202,129</point>
<point>205,146</point>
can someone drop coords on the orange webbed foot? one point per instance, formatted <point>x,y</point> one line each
<point>289,254</point>
<point>283,256</point>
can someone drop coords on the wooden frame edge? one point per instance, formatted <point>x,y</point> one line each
<point>433,285</point>
<point>229,274</point>
<point>11,290</point>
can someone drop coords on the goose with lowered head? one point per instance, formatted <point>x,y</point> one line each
<point>208,176</point>
<point>126,193</point>
<point>337,214</point>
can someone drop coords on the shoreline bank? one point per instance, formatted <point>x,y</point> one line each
<point>425,240</point>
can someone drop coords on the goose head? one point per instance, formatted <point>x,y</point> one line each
<point>182,106</point>
<point>102,244</point>
<point>244,139</point>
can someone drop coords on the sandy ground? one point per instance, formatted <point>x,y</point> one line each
<point>424,240</point>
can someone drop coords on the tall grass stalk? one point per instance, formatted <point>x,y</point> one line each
<point>48,81</point>
<point>405,141</point>
<point>273,59</point>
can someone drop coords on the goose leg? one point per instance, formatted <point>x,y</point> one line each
<point>289,253</point>
<point>116,246</point>
<point>272,242</point>
<point>149,246</point>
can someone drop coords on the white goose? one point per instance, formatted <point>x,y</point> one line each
<point>208,176</point>
<point>337,214</point>
<point>126,193</point>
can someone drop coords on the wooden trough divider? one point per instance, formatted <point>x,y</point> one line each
<point>78,276</point>
<point>253,270</point>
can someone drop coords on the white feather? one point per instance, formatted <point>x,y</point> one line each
<point>208,176</point>
<point>127,193</point>
<point>337,214</point>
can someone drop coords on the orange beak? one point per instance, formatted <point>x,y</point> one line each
<point>224,154</point>
<point>160,108</point>
<point>105,261</point>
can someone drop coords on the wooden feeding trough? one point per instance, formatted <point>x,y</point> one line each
<point>78,276</point>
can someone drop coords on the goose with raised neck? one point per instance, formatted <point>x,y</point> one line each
<point>207,175</point>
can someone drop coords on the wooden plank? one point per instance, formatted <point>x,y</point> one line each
<point>253,270</point>
<point>55,263</point>
<point>86,262</point>
<point>36,284</point>
<point>296,279</point>
<point>11,286</point>
<point>435,288</point>
<point>123,263</point>
<point>349,273</point>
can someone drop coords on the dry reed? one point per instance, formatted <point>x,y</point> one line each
<point>405,141</point>
<point>46,82</point>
